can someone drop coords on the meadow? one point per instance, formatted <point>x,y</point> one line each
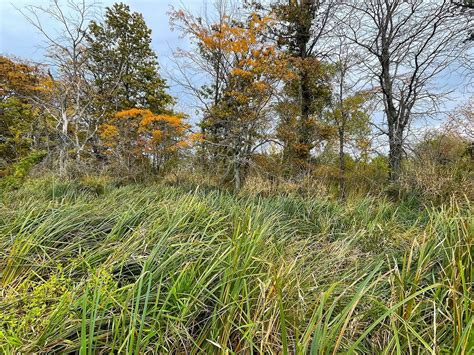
<point>154,269</point>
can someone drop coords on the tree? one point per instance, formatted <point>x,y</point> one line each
<point>408,45</point>
<point>349,104</point>
<point>442,147</point>
<point>243,73</point>
<point>138,136</point>
<point>300,137</point>
<point>70,100</point>
<point>461,120</point>
<point>124,67</point>
<point>464,3</point>
<point>301,27</point>
<point>21,128</point>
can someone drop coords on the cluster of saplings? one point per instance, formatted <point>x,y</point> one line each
<point>288,93</point>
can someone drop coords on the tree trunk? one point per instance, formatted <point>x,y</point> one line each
<point>303,148</point>
<point>342,165</point>
<point>306,14</point>
<point>78,156</point>
<point>237,177</point>
<point>63,146</point>
<point>78,149</point>
<point>62,162</point>
<point>97,149</point>
<point>395,155</point>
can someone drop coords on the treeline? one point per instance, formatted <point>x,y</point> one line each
<point>294,91</point>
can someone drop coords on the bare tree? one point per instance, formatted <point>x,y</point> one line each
<point>63,26</point>
<point>350,102</point>
<point>193,68</point>
<point>464,3</point>
<point>461,121</point>
<point>408,44</point>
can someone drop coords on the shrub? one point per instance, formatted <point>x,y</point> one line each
<point>17,172</point>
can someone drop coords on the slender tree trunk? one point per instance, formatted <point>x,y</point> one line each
<point>300,151</point>
<point>237,177</point>
<point>342,165</point>
<point>97,149</point>
<point>63,146</point>
<point>305,125</point>
<point>78,148</point>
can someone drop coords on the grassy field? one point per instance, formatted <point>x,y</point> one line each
<point>160,269</point>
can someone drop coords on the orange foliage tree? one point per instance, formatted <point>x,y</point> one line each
<point>22,126</point>
<point>244,71</point>
<point>138,136</point>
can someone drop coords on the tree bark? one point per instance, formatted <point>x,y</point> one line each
<point>342,165</point>
<point>395,154</point>
<point>237,177</point>
<point>304,135</point>
<point>63,145</point>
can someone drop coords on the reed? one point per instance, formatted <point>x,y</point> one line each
<point>164,269</point>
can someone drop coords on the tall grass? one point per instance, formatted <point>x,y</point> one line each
<point>160,269</point>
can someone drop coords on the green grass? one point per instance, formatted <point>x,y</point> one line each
<point>155,269</point>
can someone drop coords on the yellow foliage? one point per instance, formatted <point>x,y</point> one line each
<point>157,134</point>
<point>241,72</point>
<point>22,78</point>
<point>196,137</point>
<point>260,86</point>
<point>109,133</point>
<point>174,121</point>
<point>138,131</point>
<point>147,120</point>
<point>182,144</point>
<point>133,112</point>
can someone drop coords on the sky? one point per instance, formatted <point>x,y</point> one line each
<point>20,39</point>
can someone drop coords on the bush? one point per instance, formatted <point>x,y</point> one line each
<point>440,168</point>
<point>17,172</point>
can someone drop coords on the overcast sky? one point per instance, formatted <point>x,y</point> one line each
<point>19,38</point>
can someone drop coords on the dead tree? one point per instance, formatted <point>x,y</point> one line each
<point>69,102</point>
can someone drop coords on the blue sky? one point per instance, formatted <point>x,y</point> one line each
<point>19,38</point>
